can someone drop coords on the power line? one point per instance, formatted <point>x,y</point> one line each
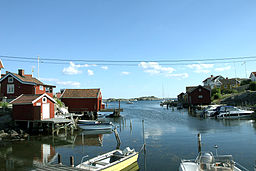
<point>132,61</point>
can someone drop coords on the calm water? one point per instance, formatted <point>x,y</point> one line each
<point>170,136</point>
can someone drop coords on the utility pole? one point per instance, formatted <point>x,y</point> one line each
<point>38,67</point>
<point>244,63</point>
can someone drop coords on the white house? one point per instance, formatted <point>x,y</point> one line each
<point>253,76</point>
<point>213,81</point>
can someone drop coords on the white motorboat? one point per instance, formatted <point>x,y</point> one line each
<point>95,125</point>
<point>231,112</point>
<point>211,109</point>
<point>114,160</point>
<point>208,162</point>
<point>129,102</point>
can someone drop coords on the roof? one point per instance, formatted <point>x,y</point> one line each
<point>213,78</point>
<point>192,88</point>
<point>254,73</point>
<point>229,81</point>
<point>30,98</point>
<point>1,64</point>
<point>25,79</point>
<point>80,93</point>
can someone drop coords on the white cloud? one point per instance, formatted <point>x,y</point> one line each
<point>223,68</point>
<point>63,83</point>
<point>72,69</point>
<point>181,75</point>
<point>125,73</point>
<point>201,68</point>
<point>90,72</point>
<point>155,68</point>
<point>104,67</point>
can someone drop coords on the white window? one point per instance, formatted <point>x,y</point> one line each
<point>10,79</point>
<point>200,96</point>
<point>10,88</point>
<point>200,90</point>
<point>44,100</point>
<point>41,87</point>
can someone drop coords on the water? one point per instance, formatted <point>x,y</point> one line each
<point>170,136</point>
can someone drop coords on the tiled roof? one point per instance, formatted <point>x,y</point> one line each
<point>229,81</point>
<point>25,99</point>
<point>190,89</point>
<point>254,73</point>
<point>28,78</point>
<point>80,93</point>
<point>1,65</point>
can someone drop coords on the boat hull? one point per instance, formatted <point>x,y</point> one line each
<point>95,126</point>
<point>123,164</point>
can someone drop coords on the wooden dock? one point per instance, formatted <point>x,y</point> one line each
<point>53,125</point>
<point>57,167</point>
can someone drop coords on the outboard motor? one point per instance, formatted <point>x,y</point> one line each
<point>205,161</point>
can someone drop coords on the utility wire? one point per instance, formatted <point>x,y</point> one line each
<point>127,64</point>
<point>132,61</point>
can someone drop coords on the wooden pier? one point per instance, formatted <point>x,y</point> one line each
<point>53,125</point>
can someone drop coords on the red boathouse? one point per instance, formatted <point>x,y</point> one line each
<point>33,107</point>
<point>82,100</point>
<point>199,95</point>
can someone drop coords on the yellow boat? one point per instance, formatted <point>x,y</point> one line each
<point>111,161</point>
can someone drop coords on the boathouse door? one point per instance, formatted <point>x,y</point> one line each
<point>46,110</point>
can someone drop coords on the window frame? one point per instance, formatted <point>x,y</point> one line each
<point>8,88</point>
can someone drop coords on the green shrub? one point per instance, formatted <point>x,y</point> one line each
<point>59,102</point>
<point>216,96</point>
<point>244,82</point>
<point>4,104</point>
<point>252,86</point>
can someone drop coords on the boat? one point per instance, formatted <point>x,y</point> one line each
<point>231,112</point>
<point>94,125</point>
<point>114,160</point>
<point>210,110</point>
<point>129,102</point>
<point>206,161</point>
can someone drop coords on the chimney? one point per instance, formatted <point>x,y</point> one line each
<point>21,72</point>
<point>226,78</point>
<point>211,76</point>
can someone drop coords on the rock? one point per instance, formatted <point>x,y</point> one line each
<point>3,135</point>
<point>2,131</point>
<point>13,133</point>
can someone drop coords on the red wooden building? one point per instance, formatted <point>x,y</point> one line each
<point>33,107</point>
<point>13,85</point>
<point>199,95</point>
<point>82,100</point>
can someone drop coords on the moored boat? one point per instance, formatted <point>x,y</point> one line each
<point>223,112</point>
<point>94,125</point>
<point>208,162</point>
<point>114,160</point>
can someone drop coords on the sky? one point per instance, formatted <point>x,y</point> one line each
<point>87,41</point>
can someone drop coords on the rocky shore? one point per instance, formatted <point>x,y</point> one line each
<point>13,135</point>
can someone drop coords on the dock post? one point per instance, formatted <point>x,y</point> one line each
<point>119,104</point>
<point>83,138</point>
<point>72,161</point>
<point>52,128</point>
<point>28,125</point>
<point>199,142</point>
<point>144,141</point>
<point>117,138</point>
<point>59,159</point>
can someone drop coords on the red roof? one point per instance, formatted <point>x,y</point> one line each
<point>29,98</point>
<point>26,79</point>
<point>254,73</point>
<point>1,65</point>
<point>25,99</point>
<point>80,93</point>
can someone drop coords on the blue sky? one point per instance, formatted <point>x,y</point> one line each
<point>130,30</point>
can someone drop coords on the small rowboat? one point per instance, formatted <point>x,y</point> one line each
<point>94,125</point>
<point>114,160</point>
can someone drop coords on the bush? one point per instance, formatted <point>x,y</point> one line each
<point>252,86</point>
<point>4,104</point>
<point>244,82</point>
<point>59,103</point>
<point>216,96</point>
<point>215,91</point>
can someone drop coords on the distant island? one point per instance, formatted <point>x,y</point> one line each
<point>146,98</point>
